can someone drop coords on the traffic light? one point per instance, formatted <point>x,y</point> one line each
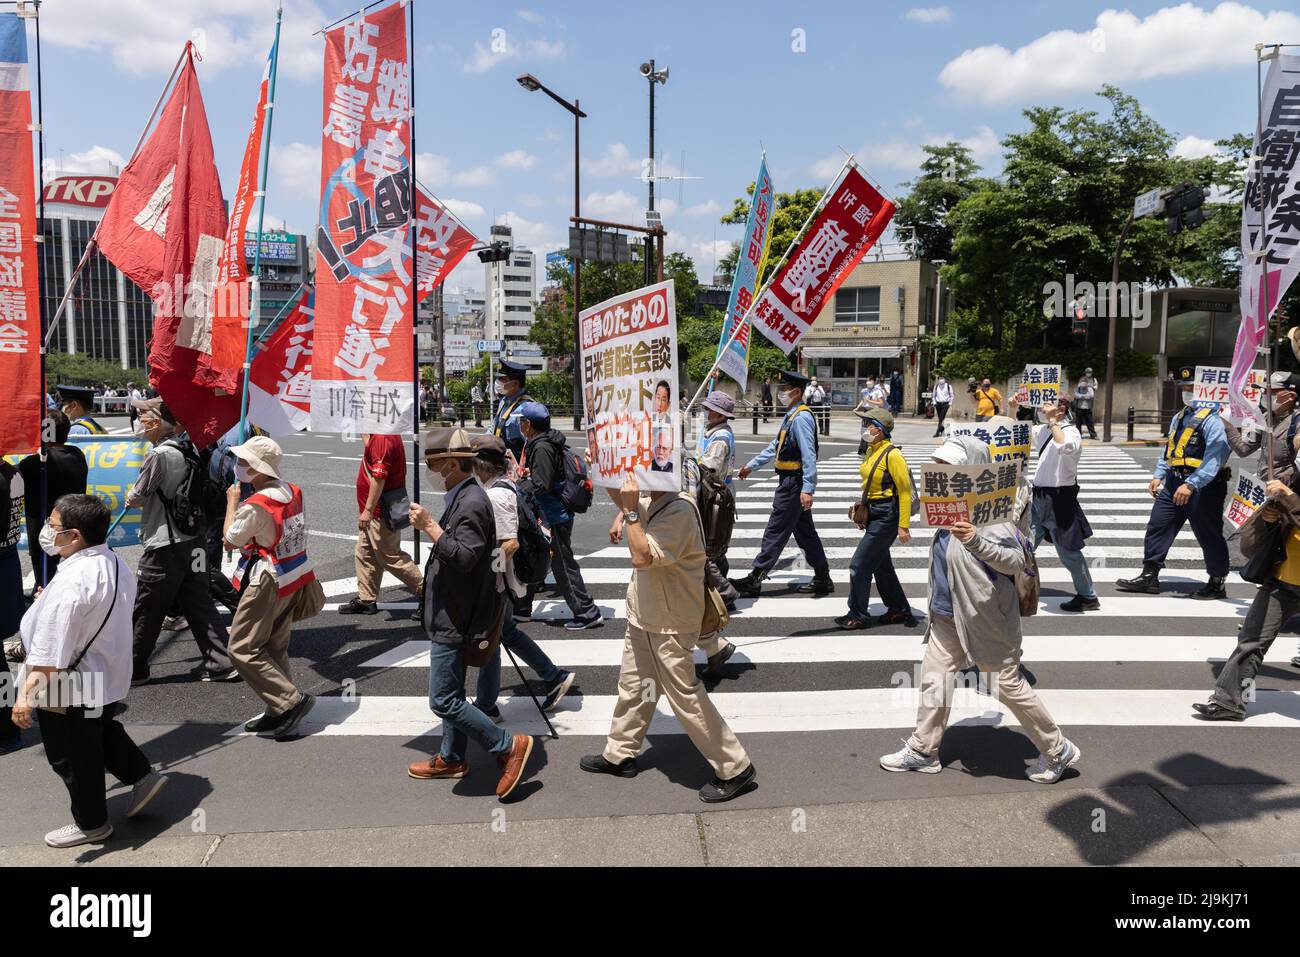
<point>498,251</point>
<point>1184,207</point>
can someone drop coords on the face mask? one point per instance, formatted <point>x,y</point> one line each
<point>1278,405</point>
<point>785,397</point>
<point>46,539</point>
<point>1187,398</point>
<point>244,474</point>
<point>499,389</point>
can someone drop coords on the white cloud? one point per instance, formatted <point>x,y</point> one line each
<point>1119,49</point>
<point>465,209</point>
<point>530,16</point>
<point>618,205</point>
<point>533,201</point>
<point>296,168</point>
<point>905,152</point>
<point>516,159</point>
<point>709,208</point>
<point>541,237</point>
<point>98,160</point>
<point>1195,147</point>
<point>434,170</point>
<point>930,14</point>
<point>144,38</point>
<point>474,176</point>
<point>502,47</point>
<point>617,160</point>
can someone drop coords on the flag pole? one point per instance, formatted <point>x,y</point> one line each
<point>717,363</point>
<point>1263,254</point>
<point>415,302</point>
<point>91,246</point>
<point>43,492</point>
<point>255,298</point>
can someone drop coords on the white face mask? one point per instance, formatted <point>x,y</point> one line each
<point>785,397</point>
<point>244,473</point>
<point>1187,398</point>
<point>499,389</point>
<point>46,540</point>
<point>1278,405</point>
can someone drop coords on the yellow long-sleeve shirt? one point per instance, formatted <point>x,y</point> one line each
<point>900,483</point>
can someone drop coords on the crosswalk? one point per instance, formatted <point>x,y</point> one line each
<point>794,672</point>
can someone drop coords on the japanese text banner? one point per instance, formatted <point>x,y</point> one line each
<point>362,376</point>
<point>978,494</point>
<point>629,379</point>
<point>20,322</point>
<point>847,226</point>
<point>1248,496</point>
<point>733,354</point>
<point>1212,389</point>
<point>279,383</point>
<point>1007,438</point>
<point>1043,384</point>
<point>1269,257</point>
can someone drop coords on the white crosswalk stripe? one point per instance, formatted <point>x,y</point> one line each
<point>782,630</point>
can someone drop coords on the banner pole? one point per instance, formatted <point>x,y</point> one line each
<point>43,493</point>
<point>1263,245</point>
<point>255,298</point>
<point>91,246</point>
<point>415,302</point>
<point>717,362</point>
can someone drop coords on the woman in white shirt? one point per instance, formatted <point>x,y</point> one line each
<point>77,640</point>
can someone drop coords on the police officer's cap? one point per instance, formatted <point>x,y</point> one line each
<point>77,393</point>
<point>794,380</point>
<point>512,370</point>
<point>1186,373</point>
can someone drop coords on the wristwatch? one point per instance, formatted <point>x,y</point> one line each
<point>632,516</point>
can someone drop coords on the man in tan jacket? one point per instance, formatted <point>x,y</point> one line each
<point>667,547</point>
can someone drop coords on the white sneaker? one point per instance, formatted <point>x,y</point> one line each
<point>72,835</point>
<point>144,791</point>
<point>1048,770</point>
<point>907,759</point>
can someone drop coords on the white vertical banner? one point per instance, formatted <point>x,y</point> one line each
<point>630,382</point>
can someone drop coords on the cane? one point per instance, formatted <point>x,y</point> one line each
<point>519,671</point>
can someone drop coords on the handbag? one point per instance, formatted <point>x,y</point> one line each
<point>1259,567</point>
<point>394,505</point>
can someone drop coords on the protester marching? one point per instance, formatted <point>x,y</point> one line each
<point>317,527</point>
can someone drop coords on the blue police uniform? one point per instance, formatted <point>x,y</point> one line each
<point>795,452</point>
<point>1195,454</point>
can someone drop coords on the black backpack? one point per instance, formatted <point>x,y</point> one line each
<point>190,509</point>
<point>533,559</point>
<point>575,492</point>
<point>717,504</point>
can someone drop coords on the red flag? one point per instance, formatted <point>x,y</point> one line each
<point>20,322</point>
<point>847,226</point>
<point>279,385</point>
<point>232,305</point>
<point>164,228</point>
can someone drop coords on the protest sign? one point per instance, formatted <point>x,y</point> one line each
<point>629,379</point>
<point>978,494</point>
<point>1043,383</point>
<point>1211,388</point>
<point>1007,438</point>
<point>1248,496</point>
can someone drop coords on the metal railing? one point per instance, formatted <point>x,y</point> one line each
<point>1146,417</point>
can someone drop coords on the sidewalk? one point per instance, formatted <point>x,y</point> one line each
<point>1149,825</point>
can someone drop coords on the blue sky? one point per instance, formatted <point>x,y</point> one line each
<point>801,78</point>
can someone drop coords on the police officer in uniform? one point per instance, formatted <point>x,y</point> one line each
<point>795,451</point>
<point>1280,398</point>
<point>510,395</point>
<point>1190,484</point>
<point>77,402</point>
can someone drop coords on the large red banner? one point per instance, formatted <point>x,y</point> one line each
<point>363,363</point>
<point>848,225</point>
<point>20,322</point>
<point>232,304</point>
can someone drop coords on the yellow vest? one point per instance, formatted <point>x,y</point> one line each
<point>1186,443</point>
<point>1289,570</point>
<point>790,465</point>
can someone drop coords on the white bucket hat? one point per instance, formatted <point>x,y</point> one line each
<point>262,455</point>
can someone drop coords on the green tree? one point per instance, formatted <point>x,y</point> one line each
<point>792,210</point>
<point>947,177</point>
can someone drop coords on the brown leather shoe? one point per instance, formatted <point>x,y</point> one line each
<point>513,764</point>
<point>437,768</point>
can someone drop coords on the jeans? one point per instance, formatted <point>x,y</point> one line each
<point>872,559</point>
<point>460,719</point>
<point>1204,510</point>
<point>1075,562</point>
<point>524,648</point>
<point>1274,603</point>
<point>941,413</point>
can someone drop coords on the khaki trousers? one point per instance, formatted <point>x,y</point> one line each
<point>656,664</point>
<point>944,657</point>
<point>259,643</point>
<point>379,550</point>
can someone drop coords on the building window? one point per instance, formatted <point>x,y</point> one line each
<point>858,305</point>
<point>518,292</point>
<point>510,278</point>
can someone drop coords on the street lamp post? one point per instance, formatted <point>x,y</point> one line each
<point>532,84</point>
<point>653,76</point>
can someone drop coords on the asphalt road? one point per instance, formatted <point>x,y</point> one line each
<point>812,705</point>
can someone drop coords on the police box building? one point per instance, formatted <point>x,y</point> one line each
<point>109,317</point>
